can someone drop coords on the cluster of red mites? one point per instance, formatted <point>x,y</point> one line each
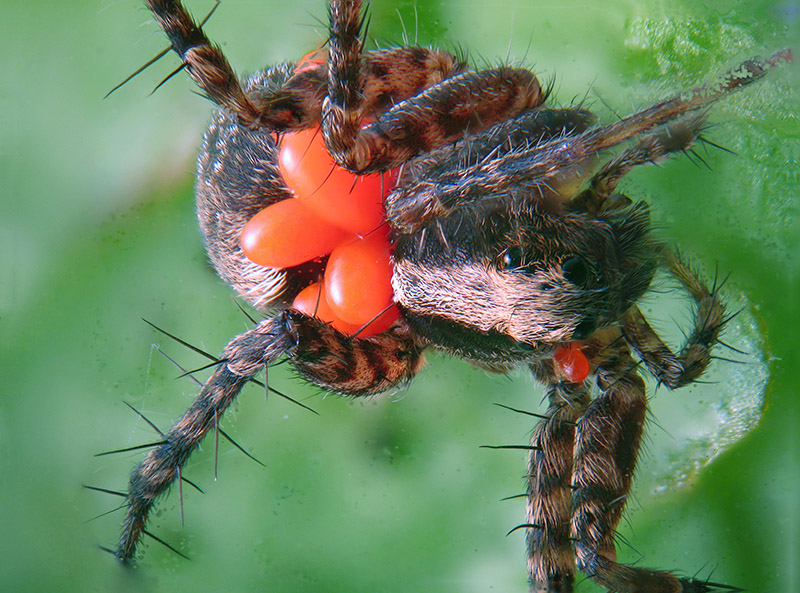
<point>336,213</point>
<point>339,214</point>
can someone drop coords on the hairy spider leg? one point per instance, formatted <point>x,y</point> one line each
<point>388,76</point>
<point>320,354</point>
<point>580,475</point>
<point>471,101</point>
<point>244,356</point>
<point>607,439</point>
<point>607,434</point>
<point>410,209</point>
<point>204,62</point>
<point>708,320</point>
<point>533,166</point>
<point>676,135</point>
<point>709,314</point>
<point>354,366</point>
<point>551,562</point>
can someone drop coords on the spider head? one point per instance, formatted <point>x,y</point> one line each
<point>506,281</point>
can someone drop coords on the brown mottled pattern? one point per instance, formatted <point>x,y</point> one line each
<point>244,356</point>
<point>387,77</point>
<point>205,63</point>
<point>354,367</point>
<point>472,101</point>
<point>551,564</point>
<point>708,320</point>
<point>394,75</point>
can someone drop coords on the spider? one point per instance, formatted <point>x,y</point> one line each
<point>502,255</point>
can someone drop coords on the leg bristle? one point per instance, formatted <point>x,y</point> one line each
<point>165,544</point>
<point>523,447</point>
<point>691,585</point>
<point>524,526</point>
<point>238,446</point>
<point>134,448</point>
<point>143,417</point>
<point>107,491</point>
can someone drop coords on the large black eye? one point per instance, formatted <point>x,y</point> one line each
<point>512,258</point>
<point>576,271</point>
<point>585,329</point>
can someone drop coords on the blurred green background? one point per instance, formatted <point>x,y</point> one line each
<point>390,494</point>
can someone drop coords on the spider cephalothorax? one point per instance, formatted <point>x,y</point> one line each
<point>485,273</point>
<point>509,246</point>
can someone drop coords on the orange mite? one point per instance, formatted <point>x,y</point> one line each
<point>337,213</point>
<point>571,363</point>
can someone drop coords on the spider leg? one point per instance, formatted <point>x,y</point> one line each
<point>204,62</point>
<point>551,565</point>
<point>353,366</point>
<point>322,355</point>
<point>244,356</point>
<point>436,117</point>
<point>708,320</point>
<point>607,439</point>
<point>675,135</point>
<point>389,76</point>
<point>415,202</point>
<point>532,168</point>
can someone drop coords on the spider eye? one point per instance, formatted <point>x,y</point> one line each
<point>512,258</point>
<point>576,271</point>
<point>585,329</point>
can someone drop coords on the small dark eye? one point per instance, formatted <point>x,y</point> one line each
<point>576,271</point>
<point>512,258</point>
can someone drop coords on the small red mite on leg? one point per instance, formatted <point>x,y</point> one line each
<point>571,363</point>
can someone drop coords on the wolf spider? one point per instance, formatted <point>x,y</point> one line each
<point>498,260</point>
